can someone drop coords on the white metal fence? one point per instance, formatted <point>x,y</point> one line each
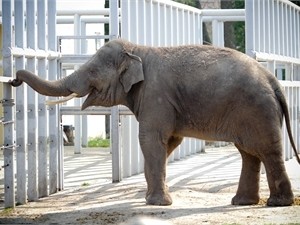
<point>272,36</point>
<point>26,154</point>
<point>149,22</point>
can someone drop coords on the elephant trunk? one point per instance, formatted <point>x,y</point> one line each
<point>44,87</point>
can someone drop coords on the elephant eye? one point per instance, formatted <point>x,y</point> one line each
<point>92,71</point>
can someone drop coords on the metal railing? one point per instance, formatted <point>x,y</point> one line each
<point>272,36</point>
<point>32,124</point>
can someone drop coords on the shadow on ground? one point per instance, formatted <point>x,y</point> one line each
<point>201,187</point>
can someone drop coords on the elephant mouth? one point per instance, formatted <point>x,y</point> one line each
<point>91,99</point>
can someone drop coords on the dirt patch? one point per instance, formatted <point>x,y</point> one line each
<point>201,187</point>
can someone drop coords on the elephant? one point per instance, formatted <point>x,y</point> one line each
<point>197,91</point>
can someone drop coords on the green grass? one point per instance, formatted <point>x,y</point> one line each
<point>7,211</point>
<point>85,184</point>
<point>98,142</point>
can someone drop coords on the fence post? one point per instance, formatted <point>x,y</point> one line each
<point>20,108</point>
<point>42,110</point>
<point>54,129</point>
<point>77,118</point>
<point>126,145</point>
<point>218,33</point>
<point>8,151</point>
<point>115,116</point>
<point>31,104</point>
<point>249,26</point>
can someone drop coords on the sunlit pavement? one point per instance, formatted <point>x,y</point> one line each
<point>214,170</point>
<point>217,165</point>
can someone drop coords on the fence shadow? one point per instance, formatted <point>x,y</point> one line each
<point>201,187</point>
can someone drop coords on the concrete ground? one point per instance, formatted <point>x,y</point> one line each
<point>201,187</point>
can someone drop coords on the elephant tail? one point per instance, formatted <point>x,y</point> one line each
<point>281,98</point>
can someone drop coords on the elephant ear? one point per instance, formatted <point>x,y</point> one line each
<point>131,71</point>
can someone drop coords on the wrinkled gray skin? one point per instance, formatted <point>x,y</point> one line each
<point>188,91</point>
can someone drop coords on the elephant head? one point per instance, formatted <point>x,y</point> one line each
<point>106,78</point>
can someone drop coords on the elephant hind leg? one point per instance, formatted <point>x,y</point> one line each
<point>279,184</point>
<point>248,189</point>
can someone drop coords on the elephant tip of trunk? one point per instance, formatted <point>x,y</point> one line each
<point>15,82</point>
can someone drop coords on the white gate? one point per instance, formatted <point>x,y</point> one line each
<point>30,126</point>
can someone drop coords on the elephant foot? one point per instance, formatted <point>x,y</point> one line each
<point>245,200</point>
<point>280,200</point>
<point>159,199</point>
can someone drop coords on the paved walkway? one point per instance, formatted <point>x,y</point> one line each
<point>93,166</point>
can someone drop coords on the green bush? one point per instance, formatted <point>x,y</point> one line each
<point>98,142</point>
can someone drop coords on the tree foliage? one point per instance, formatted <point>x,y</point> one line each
<point>194,3</point>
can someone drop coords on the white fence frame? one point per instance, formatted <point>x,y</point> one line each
<point>149,22</point>
<point>272,36</point>
<point>34,127</point>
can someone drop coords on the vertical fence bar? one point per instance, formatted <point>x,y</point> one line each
<point>134,146</point>
<point>133,13</point>
<point>84,118</point>
<point>162,21</point>
<point>249,26</point>
<point>297,113</point>
<point>149,23</point>
<point>278,33</point>
<point>272,27</point>
<point>42,110</point>
<point>141,22</point>
<point>115,116</point>
<point>20,108</point>
<point>287,31</point>
<point>8,151</point>
<point>180,26</point>
<point>267,29</point>
<point>54,173</point>
<point>280,29</point>
<point>126,145</point>
<point>169,26</point>
<point>32,106</point>
<point>125,31</point>
<point>297,44</point>
<point>77,118</point>
<point>175,25</point>
<point>192,28</point>
<point>156,24</point>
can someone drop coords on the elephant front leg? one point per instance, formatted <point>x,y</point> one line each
<point>155,154</point>
<point>248,189</point>
<point>157,191</point>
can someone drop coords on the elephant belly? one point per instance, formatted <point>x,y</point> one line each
<point>207,133</point>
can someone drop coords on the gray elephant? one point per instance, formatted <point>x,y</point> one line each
<point>188,91</point>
